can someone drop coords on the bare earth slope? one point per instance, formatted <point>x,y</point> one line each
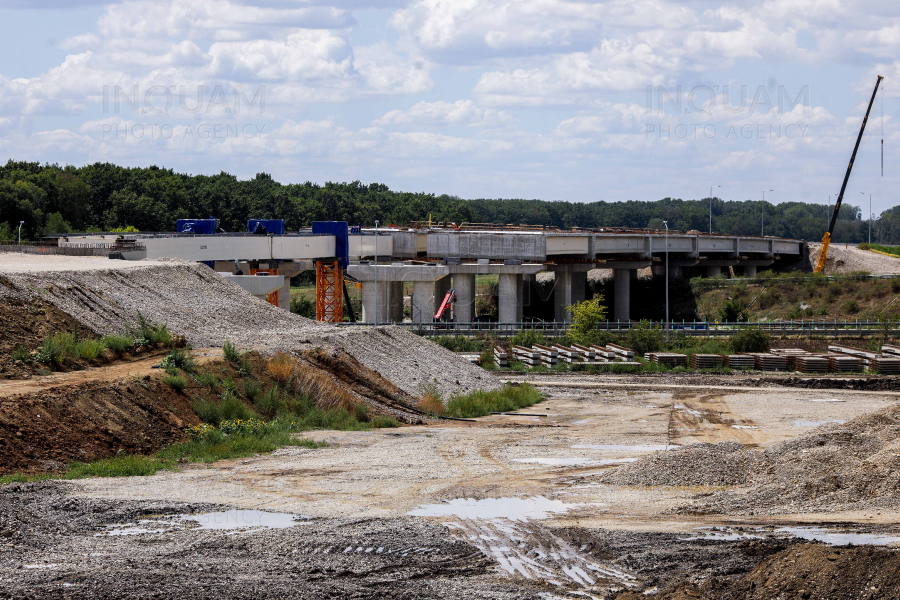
<point>106,296</point>
<point>844,258</point>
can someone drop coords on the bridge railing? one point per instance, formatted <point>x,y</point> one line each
<point>832,327</point>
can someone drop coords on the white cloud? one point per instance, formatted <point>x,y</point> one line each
<point>461,112</point>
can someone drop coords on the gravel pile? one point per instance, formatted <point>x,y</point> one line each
<point>849,466</point>
<point>843,258</point>
<point>208,310</point>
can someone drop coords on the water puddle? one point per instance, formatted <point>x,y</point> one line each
<point>625,447</point>
<point>820,400</point>
<point>575,462</point>
<point>236,520</point>
<point>805,423</point>
<point>836,537</point>
<point>721,534</point>
<point>514,509</point>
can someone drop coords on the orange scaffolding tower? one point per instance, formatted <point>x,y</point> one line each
<point>329,291</point>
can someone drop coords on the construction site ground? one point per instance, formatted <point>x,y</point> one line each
<point>506,507</point>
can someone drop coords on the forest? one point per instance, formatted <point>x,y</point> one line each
<point>51,198</point>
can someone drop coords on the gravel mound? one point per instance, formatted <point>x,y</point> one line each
<point>854,465</point>
<point>208,310</point>
<point>844,258</point>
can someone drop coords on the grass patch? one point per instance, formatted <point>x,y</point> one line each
<point>89,349</point>
<point>21,354</point>
<point>175,382</point>
<point>180,359</point>
<point>118,343</point>
<point>23,478</point>
<point>152,334</point>
<point>126,465</point>
<point>210,380</point>
<point>230,353</point>
<point>480,403</point>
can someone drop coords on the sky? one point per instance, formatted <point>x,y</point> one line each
<point>547,99</point>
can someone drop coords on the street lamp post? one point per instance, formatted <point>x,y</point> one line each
<point>762,227</point>
<point>375,316</point>
<point>666,223</point>
<point>870,214</point>
<point>710,205</point>
<point>20,231</point>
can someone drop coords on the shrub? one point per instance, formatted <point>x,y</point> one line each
<point>118,343</point>
<point>585,318</point>
<point>750,340</point>
<point>208,412</point>
<point>230,386</point>
<point>733,311</point>
<point>280,367</point>
<point>645,337</point>
<point>56,348</point>
<point>20,354</point>
<point>459,343</point>
<point>88,349</point>
<point>304,307</point>
<point>382,421</point>
<point>528,338</point>
<point>180,359</point>
<point>852,307</point>
<point>158,334</point>
<point>251,389</point>
<point>175,382</point>
<point>210,380</point>
<point>233,409</point>
<point>895,285</point>
<point>270,402</point>
<point>230,352</point>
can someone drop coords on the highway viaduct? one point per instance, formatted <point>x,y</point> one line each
<point>435,260</point>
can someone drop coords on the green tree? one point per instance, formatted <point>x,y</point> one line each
<point>585,318</point>
<point>56,224</point>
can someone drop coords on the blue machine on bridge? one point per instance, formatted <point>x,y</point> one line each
<point>266,226</point>
<point>198,226</point>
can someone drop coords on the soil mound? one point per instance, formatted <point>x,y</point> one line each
<point>844,258</point>
<point>833,467</point>
<point>44,431</point>
<point>803,571</point>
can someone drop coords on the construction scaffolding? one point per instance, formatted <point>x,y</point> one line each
<point>329,291</point>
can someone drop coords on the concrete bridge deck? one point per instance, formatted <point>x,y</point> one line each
<point>436,260</point>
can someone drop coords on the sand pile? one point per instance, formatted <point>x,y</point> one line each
<point>833,467</point>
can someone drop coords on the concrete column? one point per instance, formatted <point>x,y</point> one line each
<point>422,305</point>
<point>284,295</point>
<point>570,289</point>
<point>511,298</point>
<point>395,302</point>
<point>369,294</point>
<point>749,270</point>
<point>464,309</point>
<point>713,271</point>
<point>441,287</point>
<point>622,294</point>
<point>674,272</point>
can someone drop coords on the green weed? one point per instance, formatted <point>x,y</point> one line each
<point>175,382</point>
<point>480,403</point>
<point>118,343</point>
<point>126,465</point>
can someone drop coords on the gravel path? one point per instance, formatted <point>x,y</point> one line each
<point>208,310</point>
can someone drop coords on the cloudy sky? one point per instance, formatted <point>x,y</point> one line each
<point>550,99</point>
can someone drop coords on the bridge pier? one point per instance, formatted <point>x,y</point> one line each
<point>373,294</point>
<point>622,293</point>
<point>570,288</point>
<point>749,270</point>
<point>464,308</point>
<point>713,271</point>
<point>511,298</point>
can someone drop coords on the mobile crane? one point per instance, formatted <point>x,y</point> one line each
<point>826,239</point>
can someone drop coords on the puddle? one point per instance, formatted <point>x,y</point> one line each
<point>624,447</point>
<point>820,400</point>
<point>805,423</point>
<point>514,509</point>
<point>839,538</point>
<point>723,534</point>
<point>744,427</point>
<point>558,462</point>
<point>235,520</point>
<point>689,411</point>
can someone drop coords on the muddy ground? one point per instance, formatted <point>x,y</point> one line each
<point>508,507</point>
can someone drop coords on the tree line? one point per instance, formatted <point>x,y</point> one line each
<point>51,198</point>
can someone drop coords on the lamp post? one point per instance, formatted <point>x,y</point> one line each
<point>870,214</point>
<point>762,227</point>
<point>666,223</point>
<point>375,316</point>
<point>20,231</point>
<point>710,205</point>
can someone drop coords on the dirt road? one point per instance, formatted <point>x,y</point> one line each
<point>524,490</point>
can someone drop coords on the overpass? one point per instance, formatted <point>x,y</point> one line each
<point>435,260</point>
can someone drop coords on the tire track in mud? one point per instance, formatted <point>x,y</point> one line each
<point>530,551</point>
<point>708,418</point>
